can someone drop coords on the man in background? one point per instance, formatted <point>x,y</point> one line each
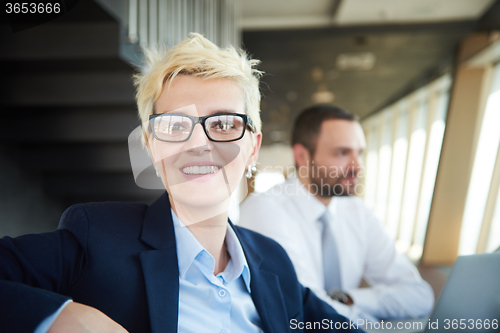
<point>332,238</point>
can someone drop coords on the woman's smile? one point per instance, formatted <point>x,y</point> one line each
<point>200,170</point>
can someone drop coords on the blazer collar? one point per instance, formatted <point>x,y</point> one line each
<point>266,291</point>
<point>160,267</point>
<point>157,228</point>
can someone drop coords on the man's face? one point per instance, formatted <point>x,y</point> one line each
<point>337,161</point>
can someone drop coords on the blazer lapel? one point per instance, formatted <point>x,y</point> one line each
<point>266,291</point>
<point>160,267</point>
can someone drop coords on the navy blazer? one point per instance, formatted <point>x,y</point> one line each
<point>121,259</point>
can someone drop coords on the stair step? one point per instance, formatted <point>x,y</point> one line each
<point>69,88</point>
<point>57,41</point>
<point>16,67</point>
<point>94,157</point>
<point>103,184</point>
<point>85,125</point>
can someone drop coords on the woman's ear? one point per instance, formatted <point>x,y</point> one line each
<point>147,144</point>
<point>257,141</point>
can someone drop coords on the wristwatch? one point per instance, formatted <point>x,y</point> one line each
<point>340,296</point>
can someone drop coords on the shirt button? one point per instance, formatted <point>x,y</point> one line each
<point>223,331</point>
<point>222,293</point>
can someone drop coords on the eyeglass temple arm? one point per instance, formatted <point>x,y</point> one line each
<point>250,124</point>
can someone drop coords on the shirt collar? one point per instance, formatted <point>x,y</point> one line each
<point>188,249</point>
<point>310,207</point>
<point>238,260</point>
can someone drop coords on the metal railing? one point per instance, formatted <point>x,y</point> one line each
<point>155,22</point>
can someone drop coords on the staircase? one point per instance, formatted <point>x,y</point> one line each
<point>67,107</point>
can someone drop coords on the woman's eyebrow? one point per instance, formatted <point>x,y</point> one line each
<point>209,113</point>
<point>222,111</point>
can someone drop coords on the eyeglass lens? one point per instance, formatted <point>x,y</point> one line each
<point>218,127</point>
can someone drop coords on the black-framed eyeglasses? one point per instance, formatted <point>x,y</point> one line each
<point>220,127</point>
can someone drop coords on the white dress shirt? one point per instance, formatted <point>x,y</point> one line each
<point>289,214</point>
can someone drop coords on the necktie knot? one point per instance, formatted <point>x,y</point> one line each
<point>325,220</point>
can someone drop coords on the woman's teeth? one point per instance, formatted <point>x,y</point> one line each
<point>200,170</point>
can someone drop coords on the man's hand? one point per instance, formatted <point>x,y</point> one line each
<point>349,300</point>
<point>341,296</point>
<point>79,318</point>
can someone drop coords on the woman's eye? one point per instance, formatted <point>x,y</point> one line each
<point>223,126</point>
<point>173,128</point>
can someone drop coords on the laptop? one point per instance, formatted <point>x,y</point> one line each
<point>469,301</point>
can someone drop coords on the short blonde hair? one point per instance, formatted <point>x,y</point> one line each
<point>197,56</point>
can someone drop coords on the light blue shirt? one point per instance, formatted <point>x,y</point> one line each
<point>44,326</point>
<point>209,303</point>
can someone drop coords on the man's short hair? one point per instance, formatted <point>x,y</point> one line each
<point>308,124</point>
<point>199,57</point>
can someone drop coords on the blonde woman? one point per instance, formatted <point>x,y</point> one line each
<point>177,265</point>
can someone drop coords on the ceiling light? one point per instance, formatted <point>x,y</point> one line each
<point>355,61</point>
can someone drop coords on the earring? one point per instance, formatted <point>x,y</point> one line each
<point>251,171</point>
<point>157,173</point>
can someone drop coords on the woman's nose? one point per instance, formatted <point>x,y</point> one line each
<point>198,143</point>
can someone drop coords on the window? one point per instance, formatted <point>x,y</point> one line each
<point>494,236</point>
<point>265,180</point>
<point>404,144</point>
<point>480,226</point>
